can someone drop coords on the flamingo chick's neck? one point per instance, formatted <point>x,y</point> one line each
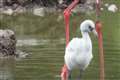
<point>85,36</point>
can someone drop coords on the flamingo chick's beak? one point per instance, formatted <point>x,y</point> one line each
<point>95,33</point>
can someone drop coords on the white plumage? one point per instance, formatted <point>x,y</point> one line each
<point>78,53</point>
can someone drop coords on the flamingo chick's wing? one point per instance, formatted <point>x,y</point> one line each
<point>75,54</point>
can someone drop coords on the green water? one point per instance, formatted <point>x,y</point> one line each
<point>45,58</point>
<point>46,61</point>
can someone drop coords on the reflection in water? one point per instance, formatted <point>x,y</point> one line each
<point>35,42</point>
<point>45,61</point>
<point>29,42</point>
<point>7,68</point>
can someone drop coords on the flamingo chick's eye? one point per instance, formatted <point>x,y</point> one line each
<point>91,28</point>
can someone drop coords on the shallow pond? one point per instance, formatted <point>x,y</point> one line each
<point>45,60</point>
<point>45,55</point>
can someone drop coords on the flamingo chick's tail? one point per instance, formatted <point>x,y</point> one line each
<point>64,73</point>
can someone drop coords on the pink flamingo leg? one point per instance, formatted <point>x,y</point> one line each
<point>67,12</point>
<point>101,54</point>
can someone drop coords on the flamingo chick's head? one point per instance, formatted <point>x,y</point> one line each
<point>88,26</point>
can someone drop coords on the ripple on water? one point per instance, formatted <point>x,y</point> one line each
<point>35,42</point>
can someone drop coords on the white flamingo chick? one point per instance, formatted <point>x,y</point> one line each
<point>78,52</point>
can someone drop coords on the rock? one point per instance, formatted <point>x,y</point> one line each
<point>21,54</point>
<point>1,3</point>
<point>8,11</point>
<point>106,5</point>
<point>60,1</point>
<point>90,1</point>
<point>101,9</point>
<point>14,6</point>
<point>1,32</point>
<point>22,2</point>
<point>8,33</point>
<point>112,8</point>
<point>87,6</point>
<point>50,9</point>
<point>20,9</point>
<point>7,42</point>
<point>39,11</point>
<point>83,8</point>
